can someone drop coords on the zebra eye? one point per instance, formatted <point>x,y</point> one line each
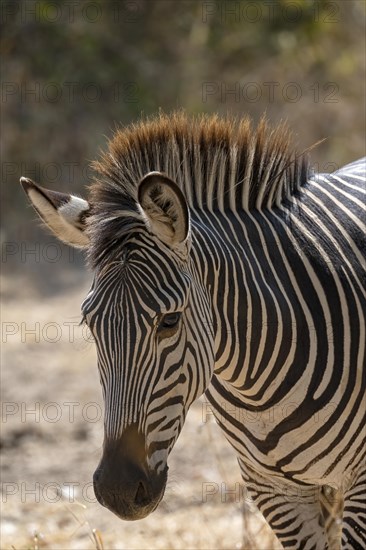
<point>170,320</point>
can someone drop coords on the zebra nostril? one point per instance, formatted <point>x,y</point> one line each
<point>141,497</point>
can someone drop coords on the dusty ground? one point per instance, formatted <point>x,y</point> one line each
<point>51,443</point>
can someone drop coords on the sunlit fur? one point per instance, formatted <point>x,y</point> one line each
<point>219,164</point>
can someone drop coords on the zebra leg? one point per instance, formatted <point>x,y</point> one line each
<point>331,503</point>
<point>354,515</point>
<point>292,511</point>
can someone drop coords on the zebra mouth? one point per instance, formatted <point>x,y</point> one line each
<point>126,510</point>
<point>134,500</point>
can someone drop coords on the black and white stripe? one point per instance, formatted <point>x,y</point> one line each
<point>240,274</point>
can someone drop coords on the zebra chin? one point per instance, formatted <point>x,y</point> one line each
<point>126,509</point>
<point>133,497</point>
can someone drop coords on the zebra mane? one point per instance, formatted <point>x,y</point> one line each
<point>220,164</point>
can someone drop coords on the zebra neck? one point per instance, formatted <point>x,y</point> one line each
<point>246,322</point>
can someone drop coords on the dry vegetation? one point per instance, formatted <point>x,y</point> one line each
<point>43,459</point>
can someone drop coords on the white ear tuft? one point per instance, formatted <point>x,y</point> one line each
<point>165,208</point>
<point>63,213</point>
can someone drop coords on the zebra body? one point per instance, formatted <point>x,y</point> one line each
<point>224,266</point>
<point>298,336</point>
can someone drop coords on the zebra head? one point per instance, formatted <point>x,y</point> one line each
<point>150,316</point>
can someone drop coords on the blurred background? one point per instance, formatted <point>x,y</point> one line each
<point>72,71</point>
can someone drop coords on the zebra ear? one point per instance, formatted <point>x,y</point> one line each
<point>165,208</point>
<point>64,214</point>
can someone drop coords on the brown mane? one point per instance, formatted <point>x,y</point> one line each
<point>220,164</point>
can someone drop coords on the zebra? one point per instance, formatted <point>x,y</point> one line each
<point>225,266</point>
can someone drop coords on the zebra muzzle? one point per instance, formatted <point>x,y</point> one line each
<point>123,483</point>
